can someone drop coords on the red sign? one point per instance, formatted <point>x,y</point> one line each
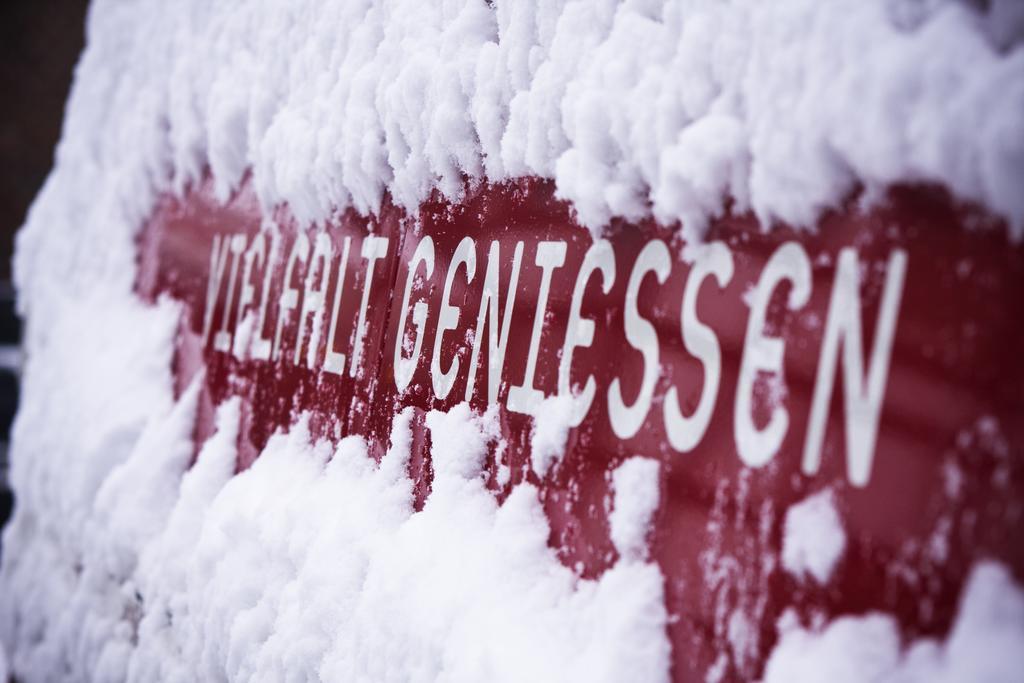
<point>879,356</point>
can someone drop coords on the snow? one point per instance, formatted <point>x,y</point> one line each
<point>85,414</point>
<point>637,495</point>
<point>122,562</point>
<point>551,424</point>
<point>984,644</point>
<point>314,563</point>
<point>813,537</point>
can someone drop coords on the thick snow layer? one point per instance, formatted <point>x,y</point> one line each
<point>313,563</point>
<point>632,107</point>
<point>813,537</point>
<point>984,644</point>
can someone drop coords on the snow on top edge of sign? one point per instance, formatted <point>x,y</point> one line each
<point>676,109</point>
<point>631,107</point>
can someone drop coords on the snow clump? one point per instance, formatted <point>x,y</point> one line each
<point>637,495</point>
<point>551,425</point>
<point>813,537</point>
<point>983,645</point>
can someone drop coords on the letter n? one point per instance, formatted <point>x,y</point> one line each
<point>863,394</point>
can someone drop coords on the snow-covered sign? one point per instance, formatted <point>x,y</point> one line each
<point>754,368</point>
<point>498,340</point>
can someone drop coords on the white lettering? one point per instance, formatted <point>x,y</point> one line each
<point>448,318</point>
<point>684,433</point>
<point>406,367</point>
<point>863,399</point>
<point>261,346</point>
<point>289,294</point>
<point>258,248</point>
<point>525,397</point>
<point>765,354</point>
<point>579,332</point>
<point>313,299</point>
<point>497,338</point>
<point>626,420</point>
<point>374,249</point>
<point>218,261</point>
<point>334,361</point>
<point>222,340</point>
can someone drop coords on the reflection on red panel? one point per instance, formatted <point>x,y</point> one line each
<point>931,480</point>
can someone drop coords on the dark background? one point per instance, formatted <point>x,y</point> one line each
<point>40,41</point>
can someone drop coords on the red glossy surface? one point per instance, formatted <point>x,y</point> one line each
<point>947,483</point>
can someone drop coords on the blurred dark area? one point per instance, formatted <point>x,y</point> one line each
<point>40,41</point>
